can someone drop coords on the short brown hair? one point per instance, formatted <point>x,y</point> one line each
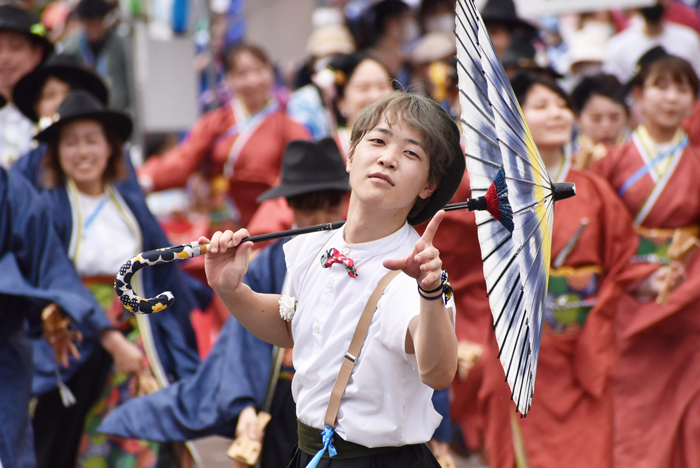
<point>669,66</point>
<point>440,133</point>
<point>229,54</point>
<point>52,174</point>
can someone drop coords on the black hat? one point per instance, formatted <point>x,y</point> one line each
<point>310,166</point>
<point>15,19</point>
<point>503,11</point>
<point>3,101</point>
<point>522,54</point>
<point>66,68</point>
<point>93,9</point>
<point>449,183</point>
<point>83,105</point>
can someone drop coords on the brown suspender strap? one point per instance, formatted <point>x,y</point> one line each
<point>354,350</point>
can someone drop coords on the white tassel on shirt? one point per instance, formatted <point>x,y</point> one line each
<point>67,397</point>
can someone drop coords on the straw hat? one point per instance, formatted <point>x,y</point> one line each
<point>329,40</point>
<point>434,46</point>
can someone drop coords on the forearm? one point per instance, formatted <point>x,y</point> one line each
<point>435,344</point>
<point>258,313</point>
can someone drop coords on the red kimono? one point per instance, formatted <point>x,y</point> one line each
<point>457,241</point>
<point>657,381</point>
<point>212,141</point>
<point>570,423</point>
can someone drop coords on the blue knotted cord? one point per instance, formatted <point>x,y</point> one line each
<point>327,435</point>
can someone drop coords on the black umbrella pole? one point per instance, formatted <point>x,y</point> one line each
<point>294,232</point>
<point>332,226</point>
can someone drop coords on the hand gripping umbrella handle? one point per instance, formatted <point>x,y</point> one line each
<point>138,305</point>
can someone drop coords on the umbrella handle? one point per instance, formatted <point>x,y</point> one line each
<point>138,305</point>
<point>122,282</point>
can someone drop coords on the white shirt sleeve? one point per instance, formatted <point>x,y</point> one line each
<point>291,252</point>
<point>398,305</point>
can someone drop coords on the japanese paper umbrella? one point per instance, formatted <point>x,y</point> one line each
<point>515,253</point>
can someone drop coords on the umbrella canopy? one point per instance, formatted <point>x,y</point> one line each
<point>516,258</point>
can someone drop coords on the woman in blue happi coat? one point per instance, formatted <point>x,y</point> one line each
<point>102,220</point>
<point>242,374</point>
<point>35,273</point>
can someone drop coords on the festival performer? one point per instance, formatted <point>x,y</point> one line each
<point>23,46</point>
<point>238,376</point>
<point>355,81</point>
<point>405,163</point>
<point>104,47</point>
<point>309,104</point>
<point>240,144</point>
<point>655,174</point>
<point>37,96</point>
<point>602,116</point>
<point>35,273</point>
<point>570,423</point>
<point>101,223</point>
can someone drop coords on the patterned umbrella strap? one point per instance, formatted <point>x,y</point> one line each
<point>122,283</point>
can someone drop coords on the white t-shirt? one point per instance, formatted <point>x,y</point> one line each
<point>16,134</point>
<point>626,48</point>
<point>106,241</point>
<point>385,402</point>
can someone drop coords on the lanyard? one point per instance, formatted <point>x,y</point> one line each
<point>94,214</point>
<point>648,167</point>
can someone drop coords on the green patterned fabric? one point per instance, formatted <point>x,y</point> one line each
<point>570,297</point>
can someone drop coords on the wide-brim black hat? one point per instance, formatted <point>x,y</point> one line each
<point>523,54</point>
<point>66,68</point>
<point>310,166</point>
<point>94,9</point>
<point>80,105</point>
<point>449,183</point>
<point>503,11</point>
<point>16,19</point>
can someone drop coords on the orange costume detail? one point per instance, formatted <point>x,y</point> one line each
<point>657,381</point>
<point>571,420</point>
<point>255,170</point>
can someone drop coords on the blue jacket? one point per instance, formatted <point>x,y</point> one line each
<point>235,375</point>
<point>172,331</point>
<point>35,272</point>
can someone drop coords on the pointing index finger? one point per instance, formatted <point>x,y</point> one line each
<point>432,228</point>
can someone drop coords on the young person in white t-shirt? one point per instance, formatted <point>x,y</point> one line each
<point>405,163</point>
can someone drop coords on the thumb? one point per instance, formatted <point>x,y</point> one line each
<point>396,263</point>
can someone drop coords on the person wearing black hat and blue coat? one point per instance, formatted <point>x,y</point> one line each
<point>101,224</point>
<point>103,47</point>
<point>39,93</point>
<point>23,46</point>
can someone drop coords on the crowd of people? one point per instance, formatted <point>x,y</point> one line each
<point>611,101</point>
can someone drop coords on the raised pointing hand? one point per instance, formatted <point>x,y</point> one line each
<point>423,263</point>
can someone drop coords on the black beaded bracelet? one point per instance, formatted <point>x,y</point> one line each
<point>439,288</point>
<point>429,298</point>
